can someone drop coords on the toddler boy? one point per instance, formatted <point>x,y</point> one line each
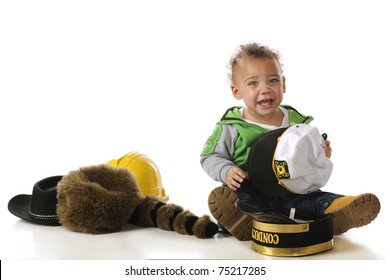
<point>257,79</point>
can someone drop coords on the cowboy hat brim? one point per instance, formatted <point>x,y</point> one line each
<point>40,207</point>
<point>20,207</point>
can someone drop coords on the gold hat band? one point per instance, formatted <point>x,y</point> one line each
<point>293,252</point>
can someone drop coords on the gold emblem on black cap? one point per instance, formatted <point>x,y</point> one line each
<point>281,169</point>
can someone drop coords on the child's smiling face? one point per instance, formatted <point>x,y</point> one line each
<point>261,84</point>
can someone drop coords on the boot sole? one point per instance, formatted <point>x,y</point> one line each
<point>359,212</point>
<point>222,202</point>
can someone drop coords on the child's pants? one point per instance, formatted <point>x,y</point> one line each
<point>316,201</point>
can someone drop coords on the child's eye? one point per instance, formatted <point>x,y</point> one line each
<point>253,83</point>
<point>274,81</point>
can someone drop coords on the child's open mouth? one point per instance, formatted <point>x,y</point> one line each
<point>266,102</point>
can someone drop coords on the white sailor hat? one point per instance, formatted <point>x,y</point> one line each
<point>289,160</point>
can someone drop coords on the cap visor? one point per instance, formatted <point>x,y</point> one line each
<point>260,169</point>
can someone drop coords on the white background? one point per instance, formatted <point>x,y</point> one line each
<point>83,82</point>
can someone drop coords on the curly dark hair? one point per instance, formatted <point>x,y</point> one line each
<point>253,50</point>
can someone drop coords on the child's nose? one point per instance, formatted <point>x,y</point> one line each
<point>264,88</point>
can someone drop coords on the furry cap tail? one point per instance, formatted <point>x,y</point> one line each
<point>97,199</point>
<point>153,213</point>
<point>101,199</point>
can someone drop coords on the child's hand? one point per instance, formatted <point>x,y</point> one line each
<point>327,148</point>
<point>234,177</point>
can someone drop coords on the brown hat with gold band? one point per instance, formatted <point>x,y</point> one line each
<point>290,232</point>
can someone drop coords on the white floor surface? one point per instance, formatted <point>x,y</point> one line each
<point>23,240</point>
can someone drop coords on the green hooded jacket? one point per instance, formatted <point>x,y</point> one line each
<point>231,141</point>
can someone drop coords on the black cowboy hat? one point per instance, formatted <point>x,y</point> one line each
<point>40,207</point>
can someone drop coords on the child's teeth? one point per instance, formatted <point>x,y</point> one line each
<point>265,101</point>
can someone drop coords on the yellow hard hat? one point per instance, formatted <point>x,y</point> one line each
<point>147,174</point>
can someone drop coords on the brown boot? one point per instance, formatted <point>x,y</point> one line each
<point>222,203</point>
<point>353,211</point>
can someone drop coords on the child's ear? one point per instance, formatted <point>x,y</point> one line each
<point>235,91</point>
<point>284,84</point>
